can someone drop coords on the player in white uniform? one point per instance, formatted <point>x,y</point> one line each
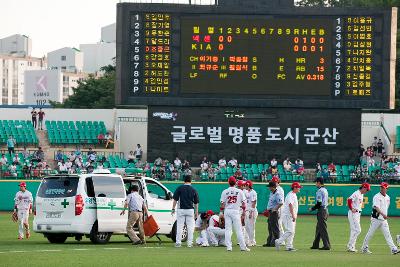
<point>279,188</point>
<point>241,185</point>
<point>251,213</point>
<point>23,207</point>
<point>289,217</point>
<point>354,202</point>
<point>379,217</point>
<point>216,233</point>
<point>201,225</point>
<point>232,200</point>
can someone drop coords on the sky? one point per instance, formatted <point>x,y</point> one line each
<point>54,24</point>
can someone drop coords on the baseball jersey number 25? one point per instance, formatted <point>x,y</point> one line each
<point>232,199</point>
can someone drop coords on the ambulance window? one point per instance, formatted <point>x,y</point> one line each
<point>110,187</point>
<point>155,190</point>
<point>55,187</point>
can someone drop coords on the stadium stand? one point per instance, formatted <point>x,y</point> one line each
<point>21,130</point>
<point>78,132</point>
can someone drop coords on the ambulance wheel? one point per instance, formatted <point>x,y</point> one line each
<point>56,238</point>
<point>184,233</point>
<point>99,237</point>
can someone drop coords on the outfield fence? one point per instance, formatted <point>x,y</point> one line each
<point>210,195</point>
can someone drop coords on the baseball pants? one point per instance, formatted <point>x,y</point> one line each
<point>355,228</point>
<point>273,228</point>
<point>321,230</point>
<point>203,238</point>
<point>384,226</point>
<point>281,228</point>
<point>23,222</point>
<point>185,216</point>
<point>250,224</point>
<point>232,218</point>
<point>216,235</point>
<point>290,228</point>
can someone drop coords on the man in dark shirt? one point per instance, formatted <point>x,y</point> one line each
<point>188,209</point>
<point>41,117</point>
<point>34,116</point>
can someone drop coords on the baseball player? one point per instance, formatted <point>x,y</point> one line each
<point>232,200</point>
<point>281,192</point>
<point>216,231</point>
<point>289,217</point>
<point>241,185</point>
<point>251,213</point>
<point>354,202</point>
<point>23,207</point>
<point>201,225</point>
<point>380,202</point>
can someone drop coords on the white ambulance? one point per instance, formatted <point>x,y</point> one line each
<point>90,205</point>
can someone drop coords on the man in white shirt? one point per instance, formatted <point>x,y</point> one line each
<point>23,207</point>
<point>222,163</point>
<point>138,152</point>
<point>281,192</point>
<point>177,163</point>
<point>289,217</point>
<point>3,159</point>
<point>204,166</point>
<point>381,202</point>
<point>233,162</point>
<point>354,202</point>
<point>251,213</point>
<point>201,225</point>
<point>232,200</point>
<point>137,208</point>
<point>216,233</point>
<point>274,163</point>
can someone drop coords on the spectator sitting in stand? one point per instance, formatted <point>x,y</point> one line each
<point>100,166</point>
<point>204,166</point>
<point>13,169</point>
<point>175,174</point>
<point>186,165</point>
<point>72,156</point>
<point>233,162</point>
<point>100,138</point>
<point>211,172</point>
<point>274,170</point>
<point>16,160</point>
<point>222,163</point>
<point>318,169</point>
<point>26,171</point>
<point>287,165</point>
<point>47,170</point>
<point>331,167</point>
<point>78,152</point>
<point>158,162</point>
<point>3,160</point>
<point>325,174</point>
<point>177,163</point>
<point>204,160</point>
<point>59,156</point>
<point>263,176</point>
<point>238,174</point>
<point>131,157</point>
<point>109,139</point>
<point>274,162</point>
<point>299,166</point>
<point>139,164</point>
<point>187,171</point>
<point>25,153</point>
<point>92,157</point>
<point>39,155</point>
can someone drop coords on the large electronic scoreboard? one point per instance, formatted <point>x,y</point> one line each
<point>182,55</point>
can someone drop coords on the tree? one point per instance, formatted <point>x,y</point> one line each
<point>93,92</point>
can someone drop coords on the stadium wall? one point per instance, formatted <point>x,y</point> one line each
<point>210,194</point>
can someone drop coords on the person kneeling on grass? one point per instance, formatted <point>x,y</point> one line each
<point>289,217</point>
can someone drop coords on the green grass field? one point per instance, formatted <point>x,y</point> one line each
<point>119,252</point>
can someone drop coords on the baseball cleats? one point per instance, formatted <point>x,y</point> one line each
<point>27,235</point>
<point>291,249</point>
<point>20,237</point>
<point>245,250</point>
<point>277,245</point>
<point>366,251</point>
<point>178,245</point>
<point>395,251</point>
<point>352,250</point>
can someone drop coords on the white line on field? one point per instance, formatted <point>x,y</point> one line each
<point>114,248</point>
<point>49,250</point>
<point>16,251</point>
<point>153,247</point>
<point>81,249</point>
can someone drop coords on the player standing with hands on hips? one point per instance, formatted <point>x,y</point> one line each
<point>380,202</point>
<point>23,207</point>
<point>232,200</point>
<point>354,202</point>
<point>188,209</point>
<point>321,231</point>
<point>289,217</point>
<point>251,213</point>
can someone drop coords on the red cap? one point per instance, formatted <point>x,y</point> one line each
<point>296,185</point>
<point>385,185</point>
<point>22,184</point>
<point>275,179</point>
<point>366,186</point>
<point>232,179</point>
<point>240,183</point>
<point>210,213</point>
<point>249,183</point>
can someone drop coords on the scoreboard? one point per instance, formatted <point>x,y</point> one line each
<point>182,55</point>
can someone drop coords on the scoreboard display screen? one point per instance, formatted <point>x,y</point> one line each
<point>182,55</point>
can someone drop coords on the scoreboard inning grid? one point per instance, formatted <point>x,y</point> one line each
<point>184,55</point>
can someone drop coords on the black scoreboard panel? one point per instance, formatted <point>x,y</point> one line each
<point>183,55</point>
